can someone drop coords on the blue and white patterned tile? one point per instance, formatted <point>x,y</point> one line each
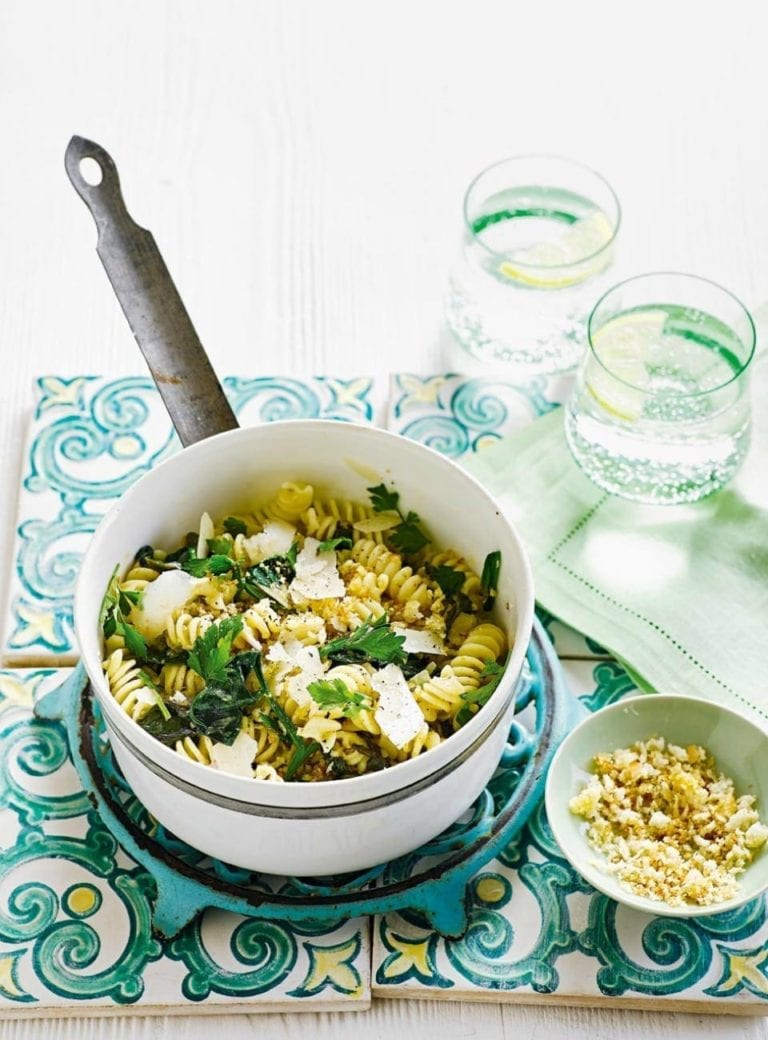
<point>89,439</point>
<point>457,414</point>
<point>539,933</point>
<point>75,910</point>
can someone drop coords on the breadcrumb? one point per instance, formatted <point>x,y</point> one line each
<point>668,823</point>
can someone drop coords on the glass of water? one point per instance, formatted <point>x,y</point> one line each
<point>539,232</point>
<point>660,409</point>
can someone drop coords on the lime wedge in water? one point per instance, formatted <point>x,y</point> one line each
<point>579,241</point>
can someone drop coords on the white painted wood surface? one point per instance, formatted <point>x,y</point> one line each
<point>301,165</point>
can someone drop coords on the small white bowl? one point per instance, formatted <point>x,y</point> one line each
<point>738,746</point>
<point>335,826</point>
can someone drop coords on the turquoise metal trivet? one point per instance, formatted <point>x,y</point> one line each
<point>431,881</point>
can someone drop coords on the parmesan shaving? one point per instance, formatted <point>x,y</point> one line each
<point>317,576</point>
<point>206,532</point>
<point>298,666</point>
<point>236,758</point>
<point>264,771</point>
<point>379,522</point>
<point>420,641</point>
<point>275,540</point>
<point>170,591</point>
<point>398,713</point>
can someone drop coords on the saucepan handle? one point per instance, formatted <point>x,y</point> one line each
<point>166,336</point>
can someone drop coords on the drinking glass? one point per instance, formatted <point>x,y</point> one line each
<point>660,409</point>
<point>539,233</point>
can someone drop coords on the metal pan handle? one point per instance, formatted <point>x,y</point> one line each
<point>166,336</point>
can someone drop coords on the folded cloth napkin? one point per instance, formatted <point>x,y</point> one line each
<point>678,593</point>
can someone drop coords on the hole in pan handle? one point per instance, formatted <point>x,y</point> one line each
<point>158,318</point>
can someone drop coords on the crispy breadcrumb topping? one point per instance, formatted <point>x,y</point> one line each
<point>668,823</point>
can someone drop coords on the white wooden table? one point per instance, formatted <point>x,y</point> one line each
<point>301,165</point>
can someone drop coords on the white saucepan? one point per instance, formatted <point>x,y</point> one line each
<point>282,828</point>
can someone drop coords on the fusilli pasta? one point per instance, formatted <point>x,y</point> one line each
<point>309,639</point>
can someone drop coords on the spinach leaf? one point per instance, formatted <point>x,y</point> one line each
<point>168,730</point>
<point>449,580</point>
<point>234,525</point>
<point>489,579</point>
<point>217,710</point>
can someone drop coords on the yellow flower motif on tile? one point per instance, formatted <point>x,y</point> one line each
<point>414,957</point>
<point>742,970</point>
<point>60,391</point>
<point>9,982</point>
<point>409,959</point>
<point>36,624</point>
<point>16,691</point>
<point>419,391</point>
<point>348,391</point>
<point>334,967</point>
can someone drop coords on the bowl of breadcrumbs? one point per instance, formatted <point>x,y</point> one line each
<point>661,802</point>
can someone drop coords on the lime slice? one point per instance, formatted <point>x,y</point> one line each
<point>581,240</point>
<point>624,345</point>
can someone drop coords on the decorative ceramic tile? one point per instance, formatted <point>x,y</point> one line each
<point>539,933</point>
<point>75,922</point>
<point>458,414</point>
<point>89,440</point>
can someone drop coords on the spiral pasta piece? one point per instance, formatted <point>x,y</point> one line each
<point>298,711</point>
<point>403,585</point>
<point>290,502</point>
<point>363,583</point>
<point>180,678</point>
<point>325,517</point>
<point>377,558</point>
<point>260,622</point>
<point>424,738</point>
<point>127,685</point>
<point>356,677</point>
<point>195,750</point>
<point>439,697</point>
<point>182,631</point>
<point>484,643</point>
<point>307,628</point>
<point>137,578</point>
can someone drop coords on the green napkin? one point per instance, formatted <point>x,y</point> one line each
<point>679,593</point>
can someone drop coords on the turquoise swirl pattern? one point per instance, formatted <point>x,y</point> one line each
<point>76,912</point>
<point>90,439</point>
<point>459,414</point>
<point>537,927</point>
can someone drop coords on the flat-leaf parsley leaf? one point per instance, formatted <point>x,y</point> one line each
<point>334,693</point>
<point>211,651</point>
<point>372,641</point>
